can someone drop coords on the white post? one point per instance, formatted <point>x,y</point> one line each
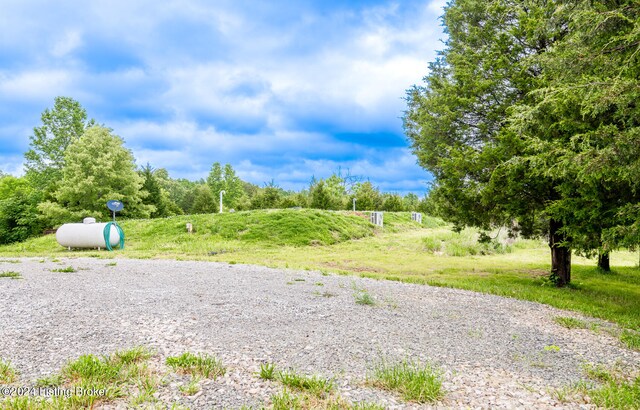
<point>221,193</point>
<point>354,204</point>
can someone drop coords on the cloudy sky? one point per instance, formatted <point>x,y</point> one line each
<point>282,90</point>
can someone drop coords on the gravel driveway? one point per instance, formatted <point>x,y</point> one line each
<point>492,349</point>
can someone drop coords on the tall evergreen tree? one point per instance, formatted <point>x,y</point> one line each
<point>458,121</point>
<point>583,127</point>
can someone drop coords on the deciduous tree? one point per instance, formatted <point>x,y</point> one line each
<point>61,126</point>
<point>97,168</point>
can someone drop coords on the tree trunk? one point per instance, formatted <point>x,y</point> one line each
<point>560,255</point>
<point>603,261</point>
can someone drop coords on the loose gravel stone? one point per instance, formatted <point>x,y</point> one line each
<point>491,349</point>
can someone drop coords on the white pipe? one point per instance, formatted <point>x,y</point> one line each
<point>354,204</point>
<point>221,193</point>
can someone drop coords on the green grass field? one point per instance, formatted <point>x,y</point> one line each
<point>345,243</point>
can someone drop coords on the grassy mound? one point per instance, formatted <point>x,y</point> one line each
<point>216,232</point>
<point>294,227</point>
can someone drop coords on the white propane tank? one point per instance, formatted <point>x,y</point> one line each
<point>88,234</point>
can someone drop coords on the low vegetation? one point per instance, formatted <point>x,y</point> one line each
<point>608,388</point>
<point>286,400</point>
<point>7,373</point>
<point>302,392</point>
<point>314,385</point>
<point>10,275</point>
<point>267,371</point>
<point>203,365</point>
<point>631,339</point>
<point>414,382</point>
<point>68,269</point>
<point>570,322</point>
<point>91,380</point>
<point>364,298</point>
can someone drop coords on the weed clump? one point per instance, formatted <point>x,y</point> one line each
<point>7,373</point>
<point>197,365</point>
<point>422,384</point>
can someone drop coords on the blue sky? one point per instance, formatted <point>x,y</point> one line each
<point>282,90</point>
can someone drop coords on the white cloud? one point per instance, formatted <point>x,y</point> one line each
<point>273,81</point>
<point>35,85</point>
<point>70,41</point>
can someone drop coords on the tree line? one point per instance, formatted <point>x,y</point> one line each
<point>74,165</point>
<point>529,118</point>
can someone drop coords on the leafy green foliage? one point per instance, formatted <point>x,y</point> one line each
<point>368,197</point>
<point>156,196</point>
<point>321,197</point>
<point>392,203</point>
<point>528,118</point>
<point>97,168</point>
<point>269,197</point>
<point>19,217</point>
<point>61,126</point>
<point>203,201</point>
<point>220,179</point>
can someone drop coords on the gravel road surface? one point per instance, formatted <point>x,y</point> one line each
<point>495,352</point>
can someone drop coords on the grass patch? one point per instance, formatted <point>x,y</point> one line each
<point>287,400</point>
<point>10,261</point>
<point>197,365</point>
<point>68,269</point>
<point>191,388</point>
<point>314,385</point>
<point>11,275</point>
<point>91,380</point>
<point>49,381</point>
<point>363,297</point>
<point>616,390</point>
<point>630,339</point>
<point>267,371</point>
<point>422,384</point>
<point>463,243</point>
<point>570,322</point>
<point>136,354</point>
<point>8,373</point>
<point>113,376</point>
